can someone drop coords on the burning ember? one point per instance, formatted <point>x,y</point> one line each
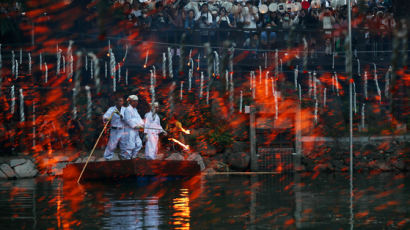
<point>186,147</point>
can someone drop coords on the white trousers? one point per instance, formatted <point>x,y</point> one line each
<point>133,144</point>
<point>151,146</point>
<point>116,137</point>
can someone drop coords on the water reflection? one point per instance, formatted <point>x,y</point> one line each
<point>236,202</point>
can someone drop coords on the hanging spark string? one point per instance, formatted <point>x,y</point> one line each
<point>226,80</point>
<point>276,63</point>
<point>324,97</point>
<point>146,59</point>
<point>17,69</point>
<point>314,85</point>
<point>58,60</point>
<point>300,92</point>
<point>333,82</point>
<point>190,73</point>
<point>333,61</point>
<point>377,84</point>
<point>266,83</point>
<point>310,84</point>
<point>21,56</point>
<point>266,59</point>
<point>126,76</point>
<point>70,60</point>
<point>260,75</point>
<point>337,84</point>
<point>201,85</point>
<point>105,70</point>
<point>281,68</point>
<point>231,55</point>
<point>74,103</point>
<point>296,77</point>
<point>207,95</point>
<point>164,65</point>
<point>13,64</point>
<point>316,110</point>
<point>358,67</point>
<point>354,98</point>
<point>126,53</point>
<point>253,84</point>
<point>365,84</point>
<point>95,70</point>
<point>190,57</point>
<point>276,105</point>
<point>22,117</point>
<point>240,102</point>
<point>86,63</point>
<point>34,124</point>
<point>363,115</point>
<point>29,63</point>
<point>181,90</point>
<point>170,70</point>
<point>46,72</point>
<point>387,82</point>
<point>89,102</point>
<point>119,72</point>
<point>231,93</point>
<point>63,64</point>
<point>199,61</point>
<point>216,63</point>
<point>91,71</point>
<point>152,86</point>
<point>41,61</point>
<point>13,99</point>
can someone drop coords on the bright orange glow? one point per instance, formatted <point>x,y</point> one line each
<point>186,147</point>
<point>182,213</point>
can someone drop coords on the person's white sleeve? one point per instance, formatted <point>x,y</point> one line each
<point>107,114</point>
<point>209,18</point>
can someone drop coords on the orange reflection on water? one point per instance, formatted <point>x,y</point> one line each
<point>182,213</point>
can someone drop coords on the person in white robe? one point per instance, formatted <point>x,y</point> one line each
<point>152,129</point>
<point>133,122</point>
<point>117,128</point>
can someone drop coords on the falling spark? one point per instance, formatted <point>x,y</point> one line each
<point>365,84</point>
<point>190,57</point>
<point>240,102</point>
<point>13,99</point>
<point>324,97</point>
<point>22,117</point>
<point>296,77</point>
<point>21,56</point>
<point>164,65</point>
<point>46,72</point>
<point>266,83</point>
<point>186,147</point>
<point>387,82</point>
<point>170,70</point>
<point>201,85</point>
<point>89,102</point>
<point>190,79</point>
<point>29,63</point>
<point>126,76</point>
<point>181,90</point>
<point>146,59</point>
<point>186,131</point>
<point>377,84</point>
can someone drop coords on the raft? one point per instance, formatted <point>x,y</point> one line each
<point>121,169</point>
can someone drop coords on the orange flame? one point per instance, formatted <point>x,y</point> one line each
<point>186,147</point>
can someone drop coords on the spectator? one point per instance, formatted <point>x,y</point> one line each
<point>327,21</point>
<point>204,20</point>
<point>223,22</point>
<point>250,17</point>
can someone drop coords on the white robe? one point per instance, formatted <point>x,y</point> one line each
<point>133,142</point>
<point>116,132</point>
<point>152,128</point>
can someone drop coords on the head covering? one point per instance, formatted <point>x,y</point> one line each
<point>132,98</point>
<point>155,104</point>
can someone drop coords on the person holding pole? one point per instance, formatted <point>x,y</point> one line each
<point>117,127</point>
<point>133,122</point>
<point>152,128</point>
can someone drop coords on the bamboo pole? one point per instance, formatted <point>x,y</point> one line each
<point>95,145</point>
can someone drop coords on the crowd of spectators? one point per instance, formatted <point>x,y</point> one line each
<point>259,24</point>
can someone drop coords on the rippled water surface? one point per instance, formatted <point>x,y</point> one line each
<point>302,201</point>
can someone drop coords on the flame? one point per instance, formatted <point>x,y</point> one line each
<point>186,147</point>
<point>186,131</point>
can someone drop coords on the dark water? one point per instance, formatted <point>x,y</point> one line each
<point>304,201</point>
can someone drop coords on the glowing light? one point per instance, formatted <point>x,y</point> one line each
<point>186,147</point>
